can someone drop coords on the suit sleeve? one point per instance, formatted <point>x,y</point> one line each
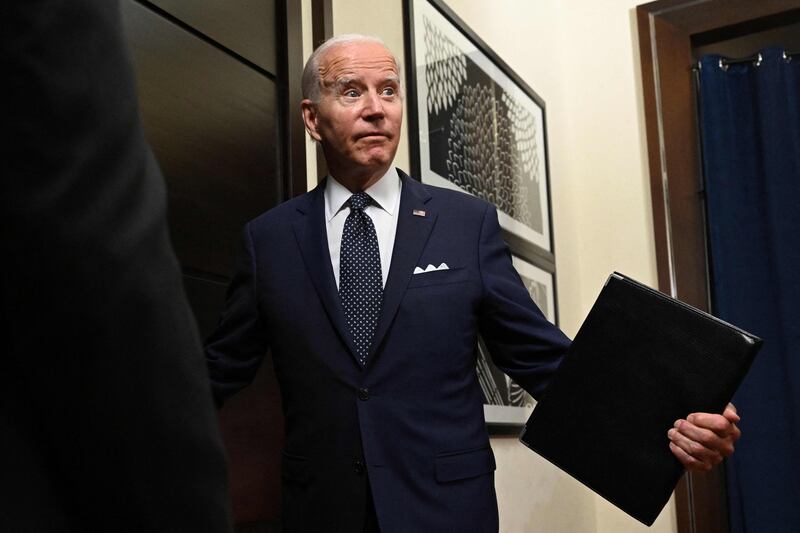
<point>236,347</point>
<point>521,341</point>
<point>105,397</point>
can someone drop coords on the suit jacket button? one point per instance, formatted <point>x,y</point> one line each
<point>363,394</point>
<point>359,467</point>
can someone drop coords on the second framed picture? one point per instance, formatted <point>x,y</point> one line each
<point>476,126</point>
<point>506,405</point>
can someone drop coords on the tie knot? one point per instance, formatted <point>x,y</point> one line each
<point>360,200</point>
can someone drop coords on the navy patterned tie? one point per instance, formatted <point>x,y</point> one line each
<point>360,280</point>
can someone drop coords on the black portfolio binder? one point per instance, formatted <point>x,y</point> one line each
<point>639,362</point>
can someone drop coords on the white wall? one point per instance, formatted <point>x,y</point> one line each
<point>581,57</point>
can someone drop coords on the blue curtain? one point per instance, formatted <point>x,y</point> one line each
<point>750,123</point>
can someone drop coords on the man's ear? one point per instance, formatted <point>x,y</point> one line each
<point>309,111</point>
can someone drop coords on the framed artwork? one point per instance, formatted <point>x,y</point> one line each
<point>475,125</point>
<point>506,405</point>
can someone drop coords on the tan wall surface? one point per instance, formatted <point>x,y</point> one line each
<point>581,57</point>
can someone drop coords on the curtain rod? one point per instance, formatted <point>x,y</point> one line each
<point>756,60</point>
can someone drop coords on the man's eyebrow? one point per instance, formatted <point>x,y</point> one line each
<point>346,82</point>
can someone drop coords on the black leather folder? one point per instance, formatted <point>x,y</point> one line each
<point>640,361</point>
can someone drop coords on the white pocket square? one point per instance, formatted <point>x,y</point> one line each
<point>431,268</point>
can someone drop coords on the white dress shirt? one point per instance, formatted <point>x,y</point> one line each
<point>386,194</point>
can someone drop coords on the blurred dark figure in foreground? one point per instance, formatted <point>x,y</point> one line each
<point>106,417</point>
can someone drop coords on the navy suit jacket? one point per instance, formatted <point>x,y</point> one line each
<point>410,423</point>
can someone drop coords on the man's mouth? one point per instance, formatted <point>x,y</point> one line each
<point>373,135</point>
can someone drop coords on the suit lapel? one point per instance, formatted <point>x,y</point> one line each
<point>312,238</point>
<point>412,234</point>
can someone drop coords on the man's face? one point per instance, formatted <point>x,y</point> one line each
<point>359,115</point>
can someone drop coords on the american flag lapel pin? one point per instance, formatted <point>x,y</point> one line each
<point>418,213</point>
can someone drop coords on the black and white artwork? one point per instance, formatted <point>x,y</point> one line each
<point>480,131</point>
<point>505,402</point>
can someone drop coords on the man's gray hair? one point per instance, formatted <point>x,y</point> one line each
<point>311,82</point>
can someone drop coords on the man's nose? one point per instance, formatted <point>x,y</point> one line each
<point>373,106</point>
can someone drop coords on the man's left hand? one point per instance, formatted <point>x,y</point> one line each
<point>703,440</point>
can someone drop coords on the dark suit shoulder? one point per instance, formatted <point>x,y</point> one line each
<point>285,212</point>
<point>458,197</point>
<point>450,199</point>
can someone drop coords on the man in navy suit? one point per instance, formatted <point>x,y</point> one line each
<point>371,305</point>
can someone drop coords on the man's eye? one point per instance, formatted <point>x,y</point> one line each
<point>389,91</point>
<point>351,93</point>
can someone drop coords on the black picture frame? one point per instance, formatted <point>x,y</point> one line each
<point>473,118</point>
<point>476,126</point>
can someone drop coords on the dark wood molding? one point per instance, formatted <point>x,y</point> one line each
<point>290,69</point>
<point>321,21</point>
<point>667,31</point>
<point>321,31</point>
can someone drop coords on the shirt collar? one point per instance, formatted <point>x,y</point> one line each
<point>385,192</point>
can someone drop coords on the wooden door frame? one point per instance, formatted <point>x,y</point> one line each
<point>290,69</point>
<point>666,29</point>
